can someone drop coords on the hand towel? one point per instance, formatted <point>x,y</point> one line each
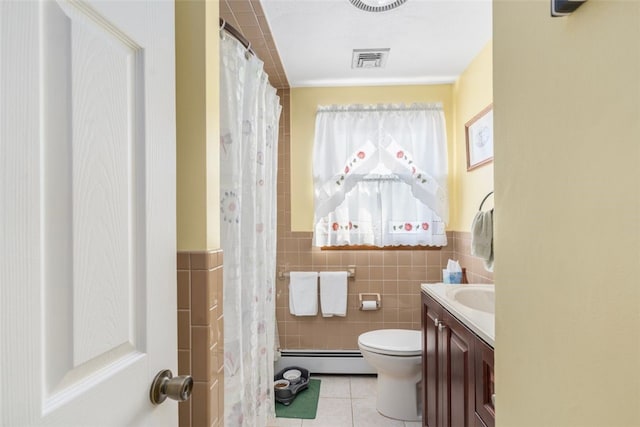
<point>333,293</point>
<point>482,238</point>
<point>303,293</point>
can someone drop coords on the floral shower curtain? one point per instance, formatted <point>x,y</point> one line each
<point>249,115</point>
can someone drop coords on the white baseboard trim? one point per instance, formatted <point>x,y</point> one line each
<point>325,361</point>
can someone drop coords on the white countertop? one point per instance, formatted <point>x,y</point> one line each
<point>480,322</point>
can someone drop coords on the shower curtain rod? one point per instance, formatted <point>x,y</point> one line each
<point>224,25</point>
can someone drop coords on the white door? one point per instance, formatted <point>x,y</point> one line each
<point>87,211</point>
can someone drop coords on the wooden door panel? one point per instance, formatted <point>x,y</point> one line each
<point>93,206</point>
<point>93,171</point>
<point>431,312</point>
<point>460,379</point>
<point>484,383</point>
<point>108,170</point>
<point>88,197</point>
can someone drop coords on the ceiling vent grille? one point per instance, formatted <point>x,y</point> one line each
<point>369,58</point>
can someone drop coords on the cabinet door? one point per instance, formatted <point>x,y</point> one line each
<point>431,315</point>
<point>484,383</point>
<point>458,386</point>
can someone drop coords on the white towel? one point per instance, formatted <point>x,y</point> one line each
<point>303,293</point>
<point>333,293</point>
<point>482,238</point>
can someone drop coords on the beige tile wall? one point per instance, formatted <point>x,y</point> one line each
<point>247,17</point>
<point>476,272</point>
<point>200,337</point>
<point>395,274</point>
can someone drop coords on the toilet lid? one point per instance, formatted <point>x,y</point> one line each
<point>398,342</point>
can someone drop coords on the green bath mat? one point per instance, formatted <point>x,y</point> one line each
<point>305,405</point>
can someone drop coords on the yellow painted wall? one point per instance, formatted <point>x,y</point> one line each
<point>197,107</point>
<point>472,92</point>
<point>567,176</point>
<point>304,102</point>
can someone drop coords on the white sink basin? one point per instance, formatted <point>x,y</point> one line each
<point>475,297</point>
<point>473,305</point>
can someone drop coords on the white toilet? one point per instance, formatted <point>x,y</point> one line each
<point>396,354</point>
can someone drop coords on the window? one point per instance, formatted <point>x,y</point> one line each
<point>380,175</point>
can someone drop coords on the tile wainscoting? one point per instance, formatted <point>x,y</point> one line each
<point>200,337</point>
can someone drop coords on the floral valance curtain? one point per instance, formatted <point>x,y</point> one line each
<point>380,175</point>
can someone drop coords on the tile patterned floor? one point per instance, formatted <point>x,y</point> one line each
<point>345,401</point>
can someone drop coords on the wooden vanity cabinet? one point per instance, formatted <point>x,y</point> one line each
<point>485,385</point>
<point>449,377</point>
<point>431,315</point>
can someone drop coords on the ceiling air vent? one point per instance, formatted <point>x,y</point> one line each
<point>369,58</point>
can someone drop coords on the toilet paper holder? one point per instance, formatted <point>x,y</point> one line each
<point>367,297</point>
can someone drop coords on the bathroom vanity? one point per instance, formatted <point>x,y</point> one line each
<point>457,370</point>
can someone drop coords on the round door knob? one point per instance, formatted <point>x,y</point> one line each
<point>165,385</point>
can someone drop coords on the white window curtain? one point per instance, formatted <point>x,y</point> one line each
<point>249,114</point>
<point>380,175</point>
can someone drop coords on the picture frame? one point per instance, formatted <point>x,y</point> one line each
<point>479,138</point>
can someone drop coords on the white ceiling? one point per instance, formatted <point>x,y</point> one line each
<point>431,41</point>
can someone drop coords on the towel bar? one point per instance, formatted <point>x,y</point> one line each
<point>351,272</point>
<point>484,200</point>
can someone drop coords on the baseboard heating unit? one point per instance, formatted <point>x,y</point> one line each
<point>325,361</point>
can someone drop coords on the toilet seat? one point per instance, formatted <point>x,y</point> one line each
<point>392,342</point>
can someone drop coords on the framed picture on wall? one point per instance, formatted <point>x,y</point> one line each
<point>479,135</point>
